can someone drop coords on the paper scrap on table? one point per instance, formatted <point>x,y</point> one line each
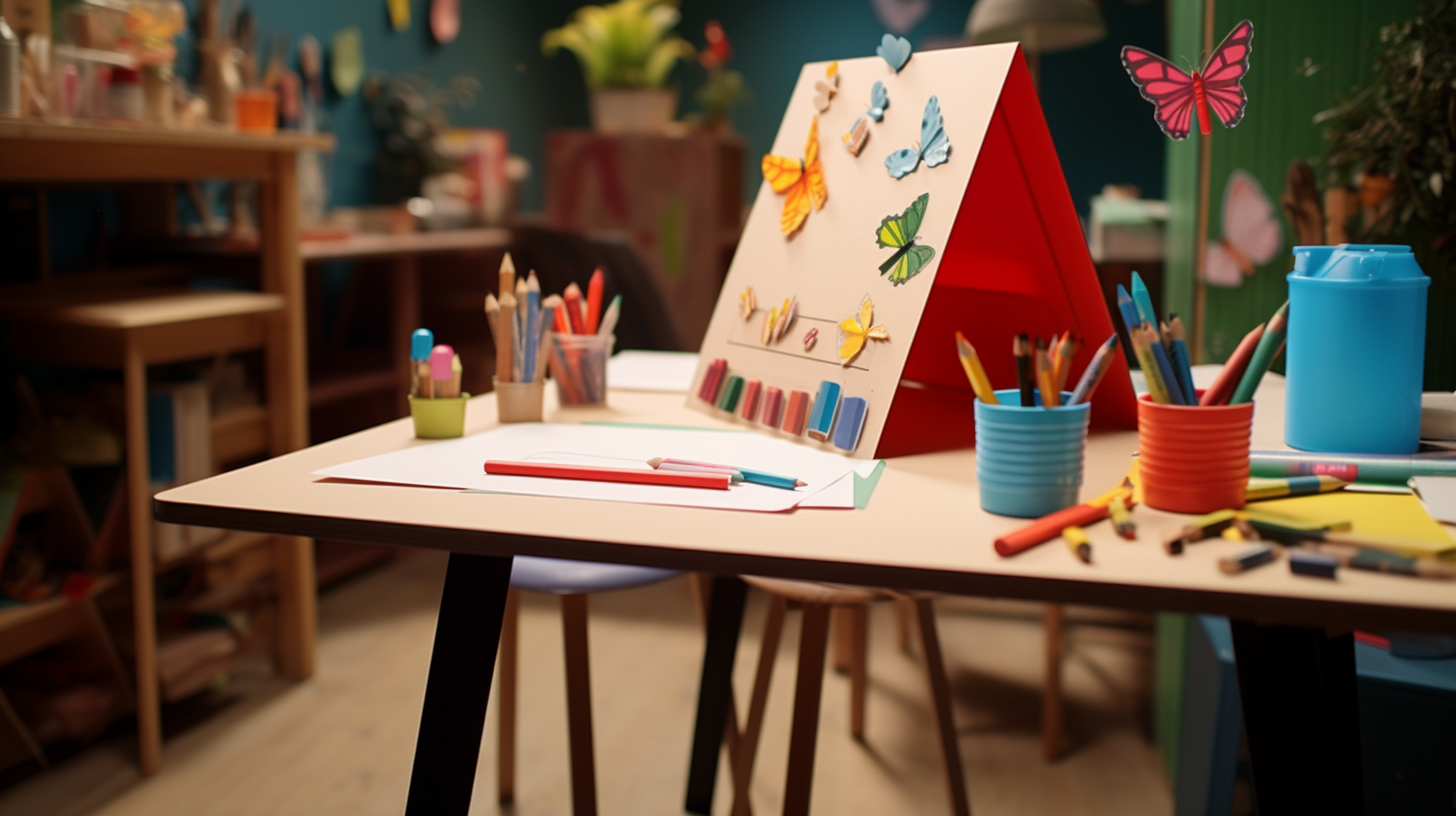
<point>665,371</point>
<point>460,463</point>
<point>1438,494</point>
<point>842,495</point>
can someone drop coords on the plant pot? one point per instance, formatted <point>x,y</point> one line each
<point>632,110</point>
<point>1374,189</point>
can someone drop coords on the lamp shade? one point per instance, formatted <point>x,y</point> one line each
<point>1039,25</point>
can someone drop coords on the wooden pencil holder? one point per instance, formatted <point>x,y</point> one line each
<point>519,402</point>
<point>442,418</point>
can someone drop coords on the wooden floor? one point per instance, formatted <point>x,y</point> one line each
<point>342,743</point>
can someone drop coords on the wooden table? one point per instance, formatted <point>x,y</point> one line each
<point>923,530</point>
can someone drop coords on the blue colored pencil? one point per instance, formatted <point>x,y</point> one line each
<point>1182,363</point>
<point>533,321</point>
<point>1146,313</point>
<point>1170,381</point>
<point>1127,308</point>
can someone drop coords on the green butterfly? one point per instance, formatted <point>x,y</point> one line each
<point>899,231</point>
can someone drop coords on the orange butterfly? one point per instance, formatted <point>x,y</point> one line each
<point>800,182</point>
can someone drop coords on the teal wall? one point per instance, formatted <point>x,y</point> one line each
<point>1102,128</point>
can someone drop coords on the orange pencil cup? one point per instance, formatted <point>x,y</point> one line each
<point>1193,459</point>
<point>256,111</point>
<point>579,366</point>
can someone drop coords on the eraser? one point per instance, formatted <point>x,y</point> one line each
<point>732,391</point>
<point>420,344</point>
<point>440,359</point>
<point>773,406</point>
<point>826,407</point>
<point>1314,565</point>
<point>796,412</point>
<point>851,422</point>
<point>750,399</point>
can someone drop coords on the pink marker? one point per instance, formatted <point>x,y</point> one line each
<point>440,358</point>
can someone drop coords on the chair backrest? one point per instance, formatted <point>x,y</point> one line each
<point>562,257</point>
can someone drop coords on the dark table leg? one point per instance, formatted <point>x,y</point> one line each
<point>725,619</point>
<point>461,665</point>
<point>1301,719</point>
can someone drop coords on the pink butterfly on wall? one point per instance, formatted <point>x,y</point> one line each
<point>1174,92</point>
<point>1251,233</point>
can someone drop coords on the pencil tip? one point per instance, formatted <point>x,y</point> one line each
<point>800,483</point>
<point>655,461</point>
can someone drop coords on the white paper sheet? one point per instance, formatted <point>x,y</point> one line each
<point>840,495</point>
<point>459,463</point>
<point>1438,494</point>
<point>667,371</point>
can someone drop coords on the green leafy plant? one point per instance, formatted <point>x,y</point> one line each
<point>1403,125</point>
<point>627,44</point>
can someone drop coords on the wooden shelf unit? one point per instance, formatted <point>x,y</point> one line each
<point>138,326</point>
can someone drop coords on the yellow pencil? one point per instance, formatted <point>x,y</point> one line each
<point>1062,363</point>
<point>1141,337</point>
<point>974,371</point>
<point>1050,397</point>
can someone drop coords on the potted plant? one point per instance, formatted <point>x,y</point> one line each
<point>626,50</point>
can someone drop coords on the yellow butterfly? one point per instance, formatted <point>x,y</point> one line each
<point>801,182</point>
<point>854,331</point>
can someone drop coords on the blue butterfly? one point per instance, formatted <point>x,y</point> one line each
<point>934,145</point>
<point>879,100</point>
<point>894,50</point>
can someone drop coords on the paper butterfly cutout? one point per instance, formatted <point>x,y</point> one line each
<point>1174,92</point>
<point>826,88</point>
<point>858,133</point>
<point>879,100</point>
<point>855,331</point>
<point>934,145</point>
<point>1251,233</point>
<point>779,320</point>
<point>894,50</point>
<point>801,182</point>
<point>748,302</point>
<point>899,231</point>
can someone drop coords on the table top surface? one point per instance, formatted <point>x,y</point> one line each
<point>137,307</point>
<point>923,529</point>
<point>363,245</point>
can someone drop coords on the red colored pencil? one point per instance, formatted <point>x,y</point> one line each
<point>1233,369</point>
<point>588,473</point>
<point>594,301</point>
<point>573,308</point>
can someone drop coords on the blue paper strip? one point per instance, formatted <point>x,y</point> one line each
<point>826,406</point>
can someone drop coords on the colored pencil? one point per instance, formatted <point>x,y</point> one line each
<point>1313,564</point>
<point>521,327</point>
<point>457,372</point>
<point>980,383</point>
<point>1178,356</point>
<point>1021,348</point>
<point>1409,547</point>
<point>507,275</point>
<point>1092,377</point>
<point>1386,468</point>
<point>1078,543</point>
<point>1245,560</point>
<point>749,474</point>
<point>1233,369</point>
<point>1141,345</point>
<point>505,352</point>
<point>589,473</point>
<point>1144,303</point>
<point>1122,522</point>
<point>1269,347</point>
<point>1062,363</point>
<point>594,286</point>
<point>1165,367</point>
<point>1292,486</point>
<point>551,307</point>
<point>574,312</point>
<point>1128,310</point>
<point>1378,561</point>
<point>492,313</point>
<point>610,318</point>
<point>1050,526</point>
<point>533,328</point>
<point>1050,398</point>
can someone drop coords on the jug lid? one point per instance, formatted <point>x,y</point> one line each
<point>1356,262</point>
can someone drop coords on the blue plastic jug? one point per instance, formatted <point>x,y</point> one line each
<point>1357,347</point>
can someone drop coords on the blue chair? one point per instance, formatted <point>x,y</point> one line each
<point>573,581</point>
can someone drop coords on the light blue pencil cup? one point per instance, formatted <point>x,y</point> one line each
<point>1357,345</point>
<point>1029,460</point>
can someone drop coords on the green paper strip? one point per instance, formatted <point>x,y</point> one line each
<point>732,391</point>
<point>864,486</point>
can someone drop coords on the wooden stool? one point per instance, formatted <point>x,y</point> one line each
<point>817,600</point>
<point>573,581</point>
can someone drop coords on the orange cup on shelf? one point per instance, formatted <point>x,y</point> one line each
<point>256,111</point>
<point>1193,459</point>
